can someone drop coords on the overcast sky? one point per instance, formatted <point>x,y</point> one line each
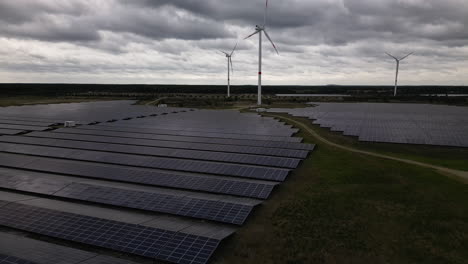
<point>176,41</point>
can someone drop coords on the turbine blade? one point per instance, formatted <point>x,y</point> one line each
<point>266,34</point>
<point>256,31</point>
<point>234,49</point>
<point>391,55</point>
<point>406,56</point>
<point>265,14</point>
<point>232,68</point>
<point>223,52</point>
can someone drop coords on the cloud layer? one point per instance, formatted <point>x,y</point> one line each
<point>176,41</point>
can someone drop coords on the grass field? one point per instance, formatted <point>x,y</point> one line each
<point>342,207</point>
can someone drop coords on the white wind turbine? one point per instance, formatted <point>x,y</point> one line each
<point>230,68</point>
<point>397,69</point>
<point>259,30</point>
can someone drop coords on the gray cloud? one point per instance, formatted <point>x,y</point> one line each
<point>176,40</point>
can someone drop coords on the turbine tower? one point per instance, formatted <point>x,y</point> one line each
<point>259,30</point>
<point>230,68</point>
<point>397,69</point>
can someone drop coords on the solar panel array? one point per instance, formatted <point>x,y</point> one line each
<point>231,186</point>
<point>177,247</point>
<point>215,210</point>
<point>161,152</point>
<point>200,167</point>
<point>392,123</point>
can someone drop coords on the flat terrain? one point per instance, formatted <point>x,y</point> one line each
<point>343,207</point>
<point>336,207</point>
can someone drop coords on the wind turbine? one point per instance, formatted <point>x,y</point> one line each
<point>259,30</point>
<point>230,68</point>
<point>397,69</point>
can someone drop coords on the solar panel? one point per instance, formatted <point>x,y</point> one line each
<point>162,152</point>
<point>220,211</point>
<point>238,187</point>
<point>177,247</point>
<point>247,171</point>
<point>4,259</point>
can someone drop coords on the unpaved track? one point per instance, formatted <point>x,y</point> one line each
<point>461,175</point>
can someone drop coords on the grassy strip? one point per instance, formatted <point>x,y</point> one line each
<point>342,207</point>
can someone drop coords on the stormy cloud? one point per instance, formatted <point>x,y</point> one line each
<point>177,41</point>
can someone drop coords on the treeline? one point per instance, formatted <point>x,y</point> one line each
<point>14,89</point>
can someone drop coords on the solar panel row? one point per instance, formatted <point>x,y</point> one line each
<point>193,133</point>
<point>155,151</point>
<point>289,153</point>
<point>211,184</point>
<point>220,211</point>
<point>176,247</point>
<point>164,127</point>
<point>263,173</point>
<point>239,142</point>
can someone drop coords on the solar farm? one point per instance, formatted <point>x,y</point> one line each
<point>422,124</point>
<point>134,184</point>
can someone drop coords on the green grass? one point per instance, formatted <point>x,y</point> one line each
<point>342,207</point>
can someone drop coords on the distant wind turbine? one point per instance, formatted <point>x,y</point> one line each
<point>230,68</point>
<point>397,69</point>
<point>259,30</point>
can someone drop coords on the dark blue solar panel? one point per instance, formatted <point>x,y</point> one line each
<point>264,173</point>
<point>176,247</point>
<point>122,139</point>
<point>224,141</point>
<point>237,187</point>
<point>161,152</point>
<point>221,211</point>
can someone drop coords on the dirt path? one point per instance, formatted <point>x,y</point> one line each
<point>461,175</point>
